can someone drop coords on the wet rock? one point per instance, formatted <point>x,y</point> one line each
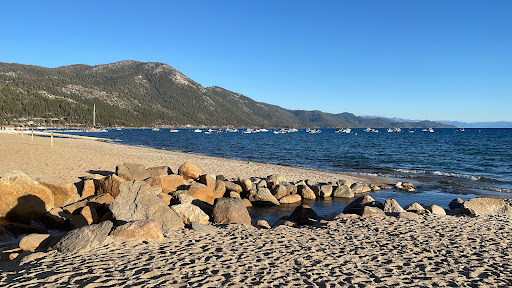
<point>357,206</point>
<point>343,191</point>
<point>304,215</point>
<point>456,203</point>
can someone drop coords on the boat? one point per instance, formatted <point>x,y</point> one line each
<point>232,130</point>
<point>390,130</point>
<point>293,130</point>
<point>280,131</point>
<point>396,129</point>
<point>371,130</point>
<point>155,129</point>
<point>431,130</point>
<point>94,128</point>
<point>313,131</point>
<point>174,130</point>
<point>198,131</point>
<point>209,131</point>
<point>343,130</point>
<point>462,130</point>
<point>248,131</point>
<point>411,130</point>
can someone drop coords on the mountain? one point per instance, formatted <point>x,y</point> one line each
<point>497,124</point>
<point>137,94</point>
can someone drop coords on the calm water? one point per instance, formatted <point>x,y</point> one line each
<point>443,165</point>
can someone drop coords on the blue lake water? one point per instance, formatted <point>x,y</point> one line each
<point>443,165</point>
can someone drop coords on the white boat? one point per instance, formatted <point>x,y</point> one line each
<point>313,131</point>
<point>371,130</point>
<point>155,129</point>
<point>411,130</point>
<point>209,131</point>
<point>343,130</point>
<point>431,130</point>
<point>280,131</point>
<point>390,130</point>
<point>248,131</point>
<point>462,130</point>
<point>174,130</point>
<point>293,130</point>
<point>397,129</point>
<point>232,130</point>
<point>94,128</point>
<point>198,131</point>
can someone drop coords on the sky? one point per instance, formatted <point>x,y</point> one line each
<point>411,59</point>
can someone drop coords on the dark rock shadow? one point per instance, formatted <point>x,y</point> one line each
<point>100,172</point>
<point>29,207</point>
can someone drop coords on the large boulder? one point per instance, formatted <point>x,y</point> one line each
<point>274,180</point>
<point>288,199</point>
<point>415,207</point>
<point>246,184</point>
<point>281,190</point>
<point>88,188</point>
<point>305,191</point>
<point>230,186</point>
<point>202,192</point>
<point>110,185</point>
<point>32,241</point>
<point>169,183</point>
<point>304,215</point>
<point>456,203</point>
<point>369,211</point>
<point>343,191</point>
<point>23,197</point>
<point>159,171</point>
<point>230,210</point>
<point>208,179</point>
<point>487,206</point>
<point>322,190</point>
<point>131,171</point>
<point>436,210</point>
<point>85,238</point>
<point>136,202</point>
<point>63,193</point>
<point>190,213</point>
<point>391,206</point>
<point>220,189</point>
<point>360,188</point>
<point>263,197</point>
<point>139,229</point>
<point>357,206</point>
<point>189,171</point>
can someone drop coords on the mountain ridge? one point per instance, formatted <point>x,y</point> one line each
<point>144,94</point>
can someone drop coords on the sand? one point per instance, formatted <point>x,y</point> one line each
<point>349,251</point>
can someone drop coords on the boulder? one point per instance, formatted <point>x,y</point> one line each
<point>357,206</point>
<point>180,197</point>
<point>87,216</point>
<point>57,218</point>
<point>220,189</point>
<point>281,190</point>
<point>233,195</point>
<point>131,171</point>
<point>202,192</point>
<point>263,197</point>
<point>32,241</point>
<point>63,193</point>
<point>391,206</point>
<point>274,180</point>
<point>304,215</point>
<point>262,224</point>
<point>247,203</point>
<point>85,238</point>
<point>6,236</point>
<point>139,229</point>
<point>96,201</point>
<point>88,188</point>
<point>110,185</point>
<point>288,199</point>
<point>230,186</point>
<point>166,198</point>
<point>360,188</point>
<point>202,228</point>
<point>343,191</point>
<point>482,206</point>
<point>322,190</point>
<point>261,184</point>
<point>436,210</point>
<point>415,207</point>
<point>230,210</point>
<point>24,198</point>
<point>374,187</point>
<point>456,203</point>
<point>343,182</point>
<point>305,191</point>
<point>209,180</point>
<point>246,184</point>
<point>189,171</point>
<point>190,213</point>
<point>369,211</point>
<point>159,171</point>
<point>169,183</point>
<point>136,202</point>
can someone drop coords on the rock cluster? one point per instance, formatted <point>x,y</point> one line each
<point>136,202</point>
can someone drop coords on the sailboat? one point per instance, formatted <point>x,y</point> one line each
<point>94,128</point>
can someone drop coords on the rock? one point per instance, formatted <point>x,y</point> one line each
<point>262,224</point>
<point>85,238</point>
<point>230,186</point>
<point>139,229</point>
<point>343,182</point>
<point>263,197</point>
<point>181,197</point>
<point>23,197</point>
<point>408,216</point>
<point>436,210</point>
<point>343,191</point>
<point>285,223</point>
<point>391,206</point>
<point>357,206</point>
<point>18,229</point>
<point>305,191</point>
<point>247,203</point>
<point>233,195</point>
<point>220,189</point>
<point>6,236</point>
<point>482,206</point>
<point>293,198</point>
<point>169,183</point>
<point>385,187</point>
<point>456,203</point>
<point>190,213</point>
<point>97,200</point>
<point>63,194</point>
<point>360,188</point>
<point>131,171</point>
<point>398,185</point>
<point>209,180</point>
<point>202,228</point>
<point>230,210</point>
<point>374,188</point>
<point>159,171</point>
<point>136,202</point>
<point>274,180</point>
<point>407,185</point>
<point>57,218</point>
<point>281,190</point>
<point>304,215</point>
<point>322,190</point>
<point>88,188</point>
<point>189,171</point>
<point>202,192</point>
<point>166,198</point>
<point>415,207</point>
<point>246,184</point>
<point>32,241</point>
<point>311,182</point>
<point>87,216</point>
<point>261,184</point>
<point>372,211</point>
<point>110,185</point>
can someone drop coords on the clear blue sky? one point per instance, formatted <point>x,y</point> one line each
<point>437,60</point>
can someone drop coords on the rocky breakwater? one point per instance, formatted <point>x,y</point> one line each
<point>136,202</point>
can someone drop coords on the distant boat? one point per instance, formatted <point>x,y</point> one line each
<point>209,131</point>
<point>390,130</point>
<point>313,131</point>
<point>343,130</point>
<point>431,130</point>
<point>155,129</point>
<point>232,130</point>
<point>411,130</point>
<point>94,128</point>
<point>198,131</point>
<point>371,130</point>
<point>174,130</point>
<point>462,130</point>
<point>248,131</point>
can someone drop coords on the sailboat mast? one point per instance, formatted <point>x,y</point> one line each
<point>94,116</point>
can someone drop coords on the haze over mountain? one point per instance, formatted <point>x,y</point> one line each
<point>136,94</point>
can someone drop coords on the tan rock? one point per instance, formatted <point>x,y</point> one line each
<point>190,213</point>
<point>159,171</point>
<point>32,241</point>
<point>63,193</point>
<point>169,183</point>
<point>487,206</point>
<point>87,216</point>
<point>201,192</point>
<point>415,207</point>
<point>262,224</point>
<point>293,198</point>
<point>372,212</point>
<point>230,186</point>
<point>23,197</point>
<point>110,185</point>
<point>274,180</point>
<point>220,189</point>
<point>246,184</point>
<point>247,203</point>
<point>305,191</point>
<point>131,171</point>
<point>209,180</point>
<point>436,210</point>
<point>230,210</point>
<point>139,229</point>
<point>233,195</point>
<point>166,198</point>
<point>189,171</point>
<point>88,188</point>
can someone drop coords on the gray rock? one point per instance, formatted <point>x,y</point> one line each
<point>415,207</point>
<point>343,191</point>
<point>85,238</point>
<point>263,197</point>
<point>456,203</point>
<point>305,191</point>
<point>136,201</point>
<point>281,190</point>
<point>131,171</point>
<point>487,206</point>
<point>391,206</point>
<point>191,213</point>
<point>436,210</point>
<point>202,228</point>
<point>357,206</point>
<point>360,188</point>
<point>372,212</point>
<point>230,186</point>
<point>230,210</point>
<point>322,190</point>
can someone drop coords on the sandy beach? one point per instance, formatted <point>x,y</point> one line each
<point>408,250</point>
